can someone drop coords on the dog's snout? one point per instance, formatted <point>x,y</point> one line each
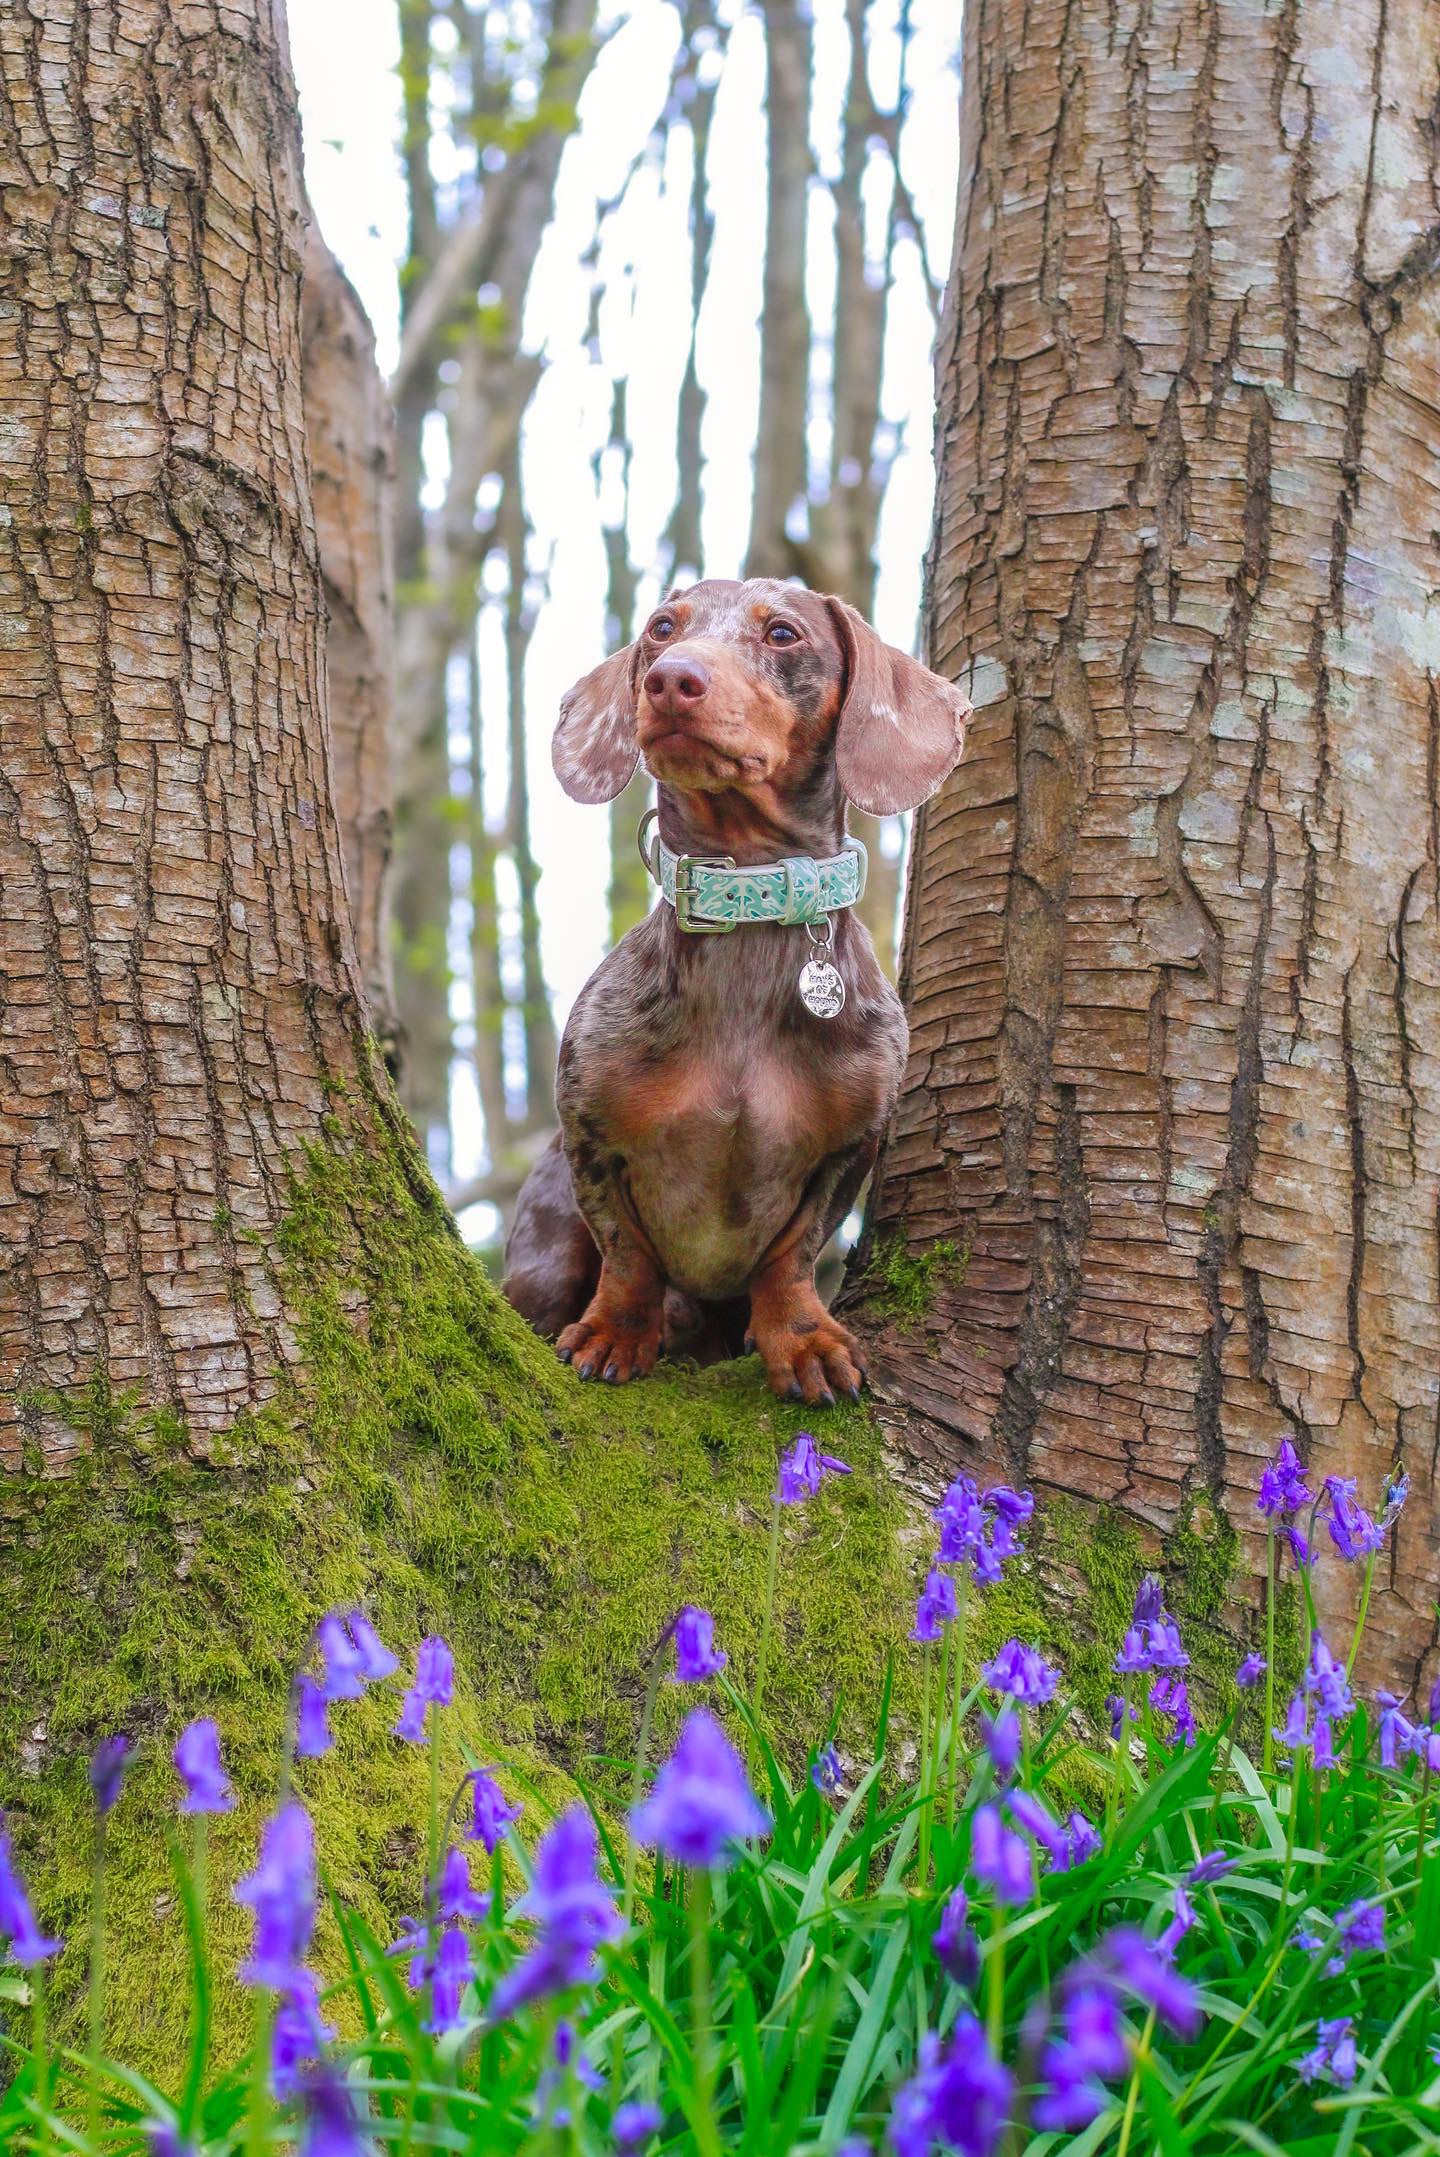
<point>676,683</point>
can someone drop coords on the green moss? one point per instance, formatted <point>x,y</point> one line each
<point>439,1464</point>
<point>899,1286</point>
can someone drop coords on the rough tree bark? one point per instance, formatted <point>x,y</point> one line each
<point>350,428</point>
<point>179,1000</point>
<point>1172,957</point>
<point>780,447</point>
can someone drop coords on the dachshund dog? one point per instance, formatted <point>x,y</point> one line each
<point>729,1069</point>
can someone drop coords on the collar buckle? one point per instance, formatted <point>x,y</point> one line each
<point>692,923</point>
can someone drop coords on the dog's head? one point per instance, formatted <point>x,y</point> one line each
<point>757,685</point>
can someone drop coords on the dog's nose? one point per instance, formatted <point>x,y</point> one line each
<point>675,683</point>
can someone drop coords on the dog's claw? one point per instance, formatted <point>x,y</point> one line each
<point>749,1344</point>
<point>564,1354</point>
<point>794,1391</point>
<point>854,1393</point>
<point>611,1375</point>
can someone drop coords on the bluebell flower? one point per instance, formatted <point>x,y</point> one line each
<point>28,1944</point>
<point>956,1947</point>
<point>1282,1484</point>
<point>961,1520</point>
<point>166,2140</point>
<point>570,2060</point>
<point>1171,1697</point>
<point>1305,1940</point>
<point>452,1895</point>
<point>312,1725</point>
<point>960,2097</point>
<point>1023,1673</point>
<point>803,1469</point>
<point>1360,1929</point>
<point>978,1529</point>
<point>1088,2049</point>
<point>1118,1712</point>
<point>936,1606</point>
<point>1322,1747</point>
<point>1137,1965</point>
<point>434,1687</point>
<point>280,1893</point>
<point>701,1805</point>
<point>344,1665</point>
<point>1083,1841</point>
<point>107,1771</point>
<point>1393,1500</point>
<point>375,1659</point>
<point>489,1813</point>
<point>574,1910</point>
<point>1397,1732</point>
<point>1035,1816</point>
<point>1325,1681</point>
<point>635,2123</point>
<point>298,2034</point>
<point>1299,1549</point>
<point>450,1972</point>
<point>197,1762</point>
<point>1433,1712</point>
<point>1181,1922</point>
<point>826,1771</point>
<point>1152,1639</point>
<point>1213,1866</point>
<point>1352,1531</point>
<point>1250,1672</point>
<point>696,1656</point>
<point>1000,1857</point>
<point>331,2123</point>
<point>1002,1741</point>
<point>1333,2057</point>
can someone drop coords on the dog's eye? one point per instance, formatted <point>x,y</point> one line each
<point>781,633</point>
<point>662,627</point>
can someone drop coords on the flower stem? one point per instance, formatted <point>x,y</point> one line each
<point>707,2140</point>
<point>1132,2094</point>
<point>925,1767</point>
<point>195,1915</point>
<point>995,1981</point>
<point>96,1988</point>
<point>41,2041</point>
<point>772,1565</point>
<point>1360,1618</point>
<point>1268,1754</point>
<point>957,1681</point>
<point>642,1762</point>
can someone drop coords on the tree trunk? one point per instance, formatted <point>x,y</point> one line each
<point>181,1000</point>
<point>350,428</point>
<point>1173,967</point>
<point>780,447</point>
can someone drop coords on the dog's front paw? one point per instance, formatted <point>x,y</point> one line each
<point>811,1358</point>
<point>600,1346</point>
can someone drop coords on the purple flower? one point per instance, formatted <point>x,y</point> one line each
<point>107,1771</point>
<point>1001,1740</point>
<point>1149,1600</point>
<point>935,1607</point>
<point>434,1687</point>
<point>344,1665</point>
<point>696,1656</point>
<point>1433,1712</point>
<point>1152,1639</point>
<point>450,1973</point>
<point>1282,1484</point>
<point>1352,1531</point>
<point>1393,1499</point>
<point>452,1895</point>
<point>960,2097</point>
<point>1323,1750</point>
<point>574,1909</point>
<point>1325,1681</point>
<point>1396,1730</point>
<point>332,2128</point>
<point>803,1469</point>
<point>17,1920</point>
<point>1333,2058</point>
<point>1023,1672</point>
<point>960,1516</point>
<point>1118,1712</point>
<point>635,2124</point>
<point>1305,1940</point>
<point>1179,1925</point>
<point>281,1894</point>
<point>978,1529</point>
<point>1171,1697</point>
<point>375,1659</point>
<point>1213,1866</point>
<point>1361,1928</point>
<point>312,1725</point>
<point>1089,2048</point>
<point>297,2035</point>
<point>1083,1842</point>
<point>1141,1969</point>
<point>954,1941</point>
<point>165,2140</point>
<point>1000,1857</point>
<point>197,1762</point>
<point>826,1771</point>
<point>1250,1672</point>
<point>1037,1819</point>
<point>489,1813</point>
<point>702,1803</point>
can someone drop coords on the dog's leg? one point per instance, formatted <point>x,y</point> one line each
<point>551,1260</point>
<point>618,1336</point>
<point>807,1354</point>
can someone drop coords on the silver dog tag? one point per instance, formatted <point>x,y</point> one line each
<point>821,989</point>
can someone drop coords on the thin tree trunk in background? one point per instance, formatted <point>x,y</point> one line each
<point>179,999</point>
<point>701,36</point>
<point>1173,949</point>
<point>630,885</point>
<point>487,992</point>
<point>350,429</point>
<point>541,1046</point>
<point>781,461</point>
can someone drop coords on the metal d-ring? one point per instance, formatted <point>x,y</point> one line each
<point>821,943</point>
<point>651,816</point>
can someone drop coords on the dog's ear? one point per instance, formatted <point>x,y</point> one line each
<point>901,728</point>
<point>594,750</point>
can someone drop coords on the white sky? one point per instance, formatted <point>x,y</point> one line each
<point>345,54</point>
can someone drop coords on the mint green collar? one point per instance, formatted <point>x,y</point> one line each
<point>711,896</point>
